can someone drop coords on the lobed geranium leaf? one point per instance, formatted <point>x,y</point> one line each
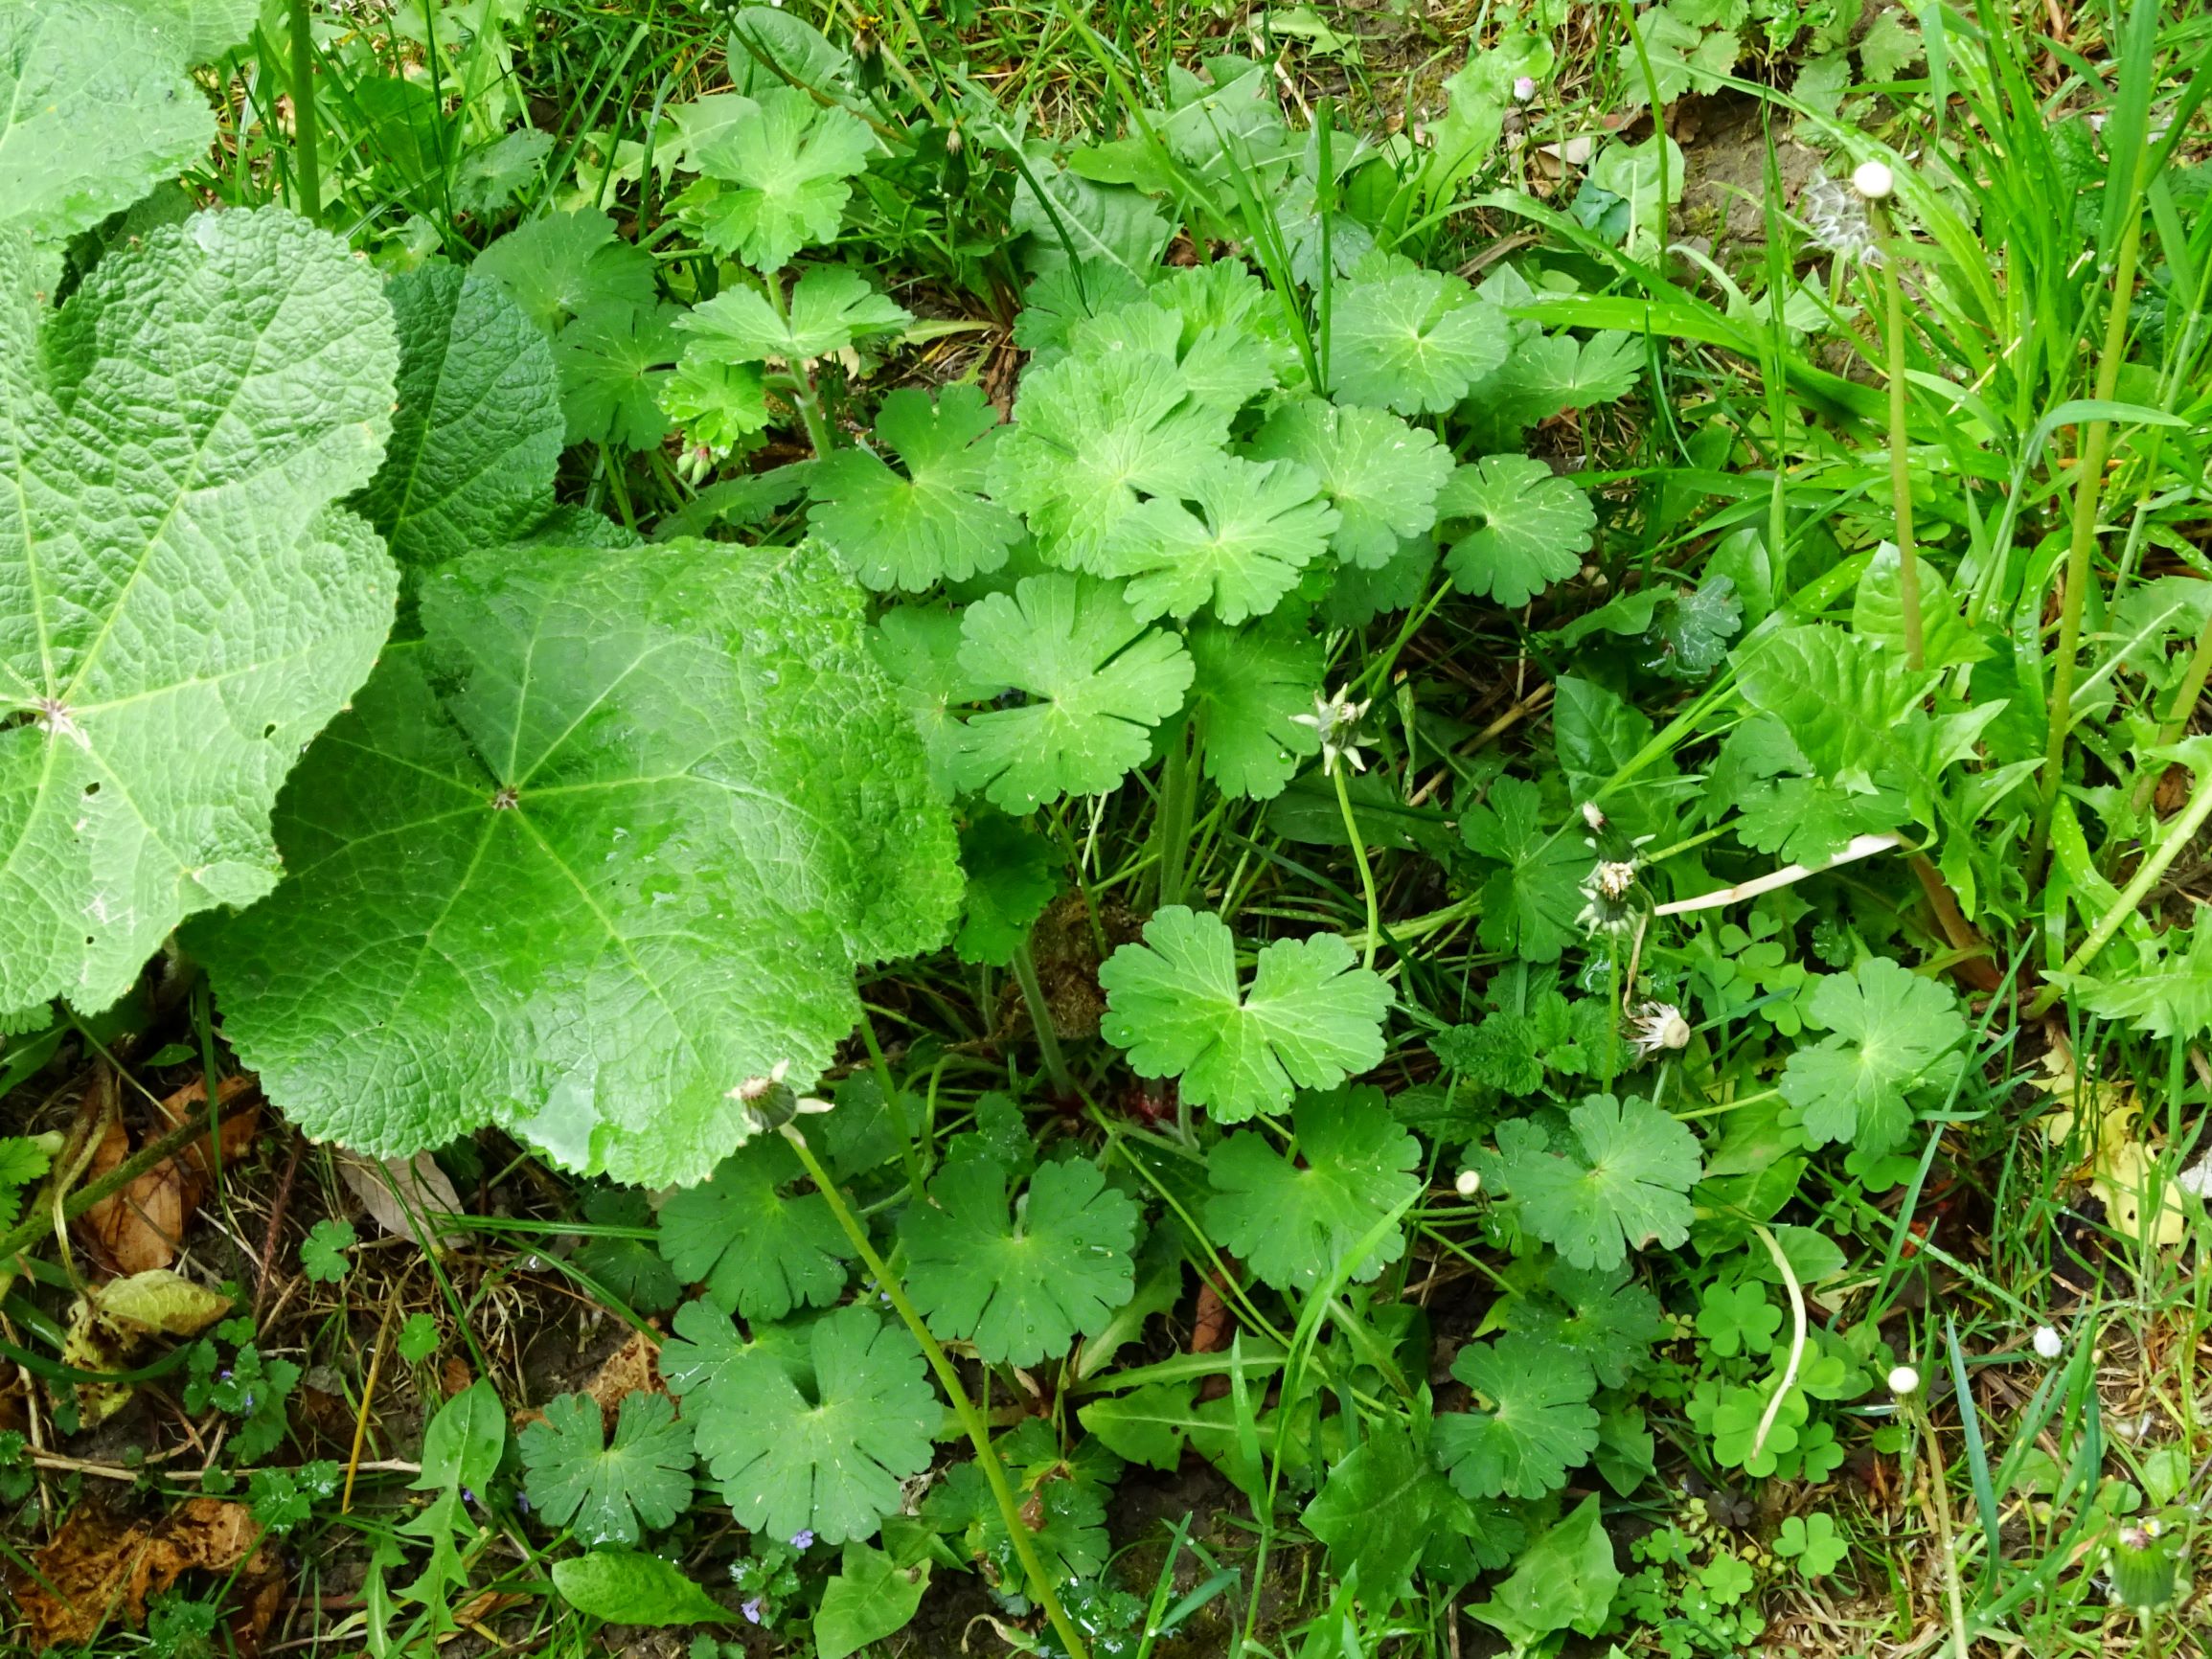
<point>1294,1223</point>
<point>1529,528</point>
<point>184,602</point>
<point>830,308</point>
<point>1380,474</point>
<point>1601,1314</point>
<point>919,648</point>
<point>478,430</point>
<point>826,1458</point>
<point>1309,1019</point>
<point>1412,340</point>
<point>608,1492</point>
<point>775,175</point>
<point>1013,874</point>
<point>1622,1185</point>
<point>933,524</point>
<point>1101,680</point>
<point>98,108</point>
<point>754,1249</point>
<point>563,264</point>
<point>1021,1289</point>
<point>1251,686</point>
<point>1533,1423</point>
<point>1256,524</point>
<point>602,846</point>
<point>614,362</point>
<point>717,404</point>
<point>1530,904</point>
<point>1888,1029</point>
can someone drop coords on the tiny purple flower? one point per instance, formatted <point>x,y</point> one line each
<point>468,1497</point>
<point>1523,88</point>
<point>802,1539</point>
<point>752,1610</point>
<point>522,1502</point>
<point>225,1375</point>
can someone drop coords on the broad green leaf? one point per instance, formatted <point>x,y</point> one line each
<point>827,1459</point>
<point>775,176</point>
<point>919,648</point>
<point>1380,474</point>
<point>1309,1019</point>
<point>1473,119</point>
<point>1598,737</point>
<point>933,524</point>
<point>1889,1028</point>
<point>1375,1511</point>
<point>1078,226</point>
<point>1622,1184</point>
<point>1296,1222</point>
<point>478,428</point>
<point>1529,903</point>
<point>1695,625</point>
<point>1021,1289</point>
<point>602,847</point>
<point>1054,303</point>
<point>1090,438</point>
<point>706,1350</point>
<point>1563,1580</point>
<point>2168,996</point>
<point>1013,873</point>
<point>1251,686</point>
<point>465,1441</point>
<point>1100,680</point>
<point>756,1250</point>
<point>1412,340</point>
<point>183,604</point>
<point>830,308</point>
<point>630,1587</point>
<point>1147,1425</point>
<point>1256,524</point>
<point>322,1258</point>
<point>98,108</point>
<point>1839,697</point>
<point>566,263</point>
<point>1531,1424</point>
<point>1878,612</point>
<point>1061,1494</point>
<point>869,1599</point>
<point>1529,528</point>
<point>608,1492</point>
<point>614,362</point>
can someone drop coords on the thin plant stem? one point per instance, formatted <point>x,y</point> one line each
<point>818,432</point>
<point>1366,875</point>
<point>1171,827</point>
<point>970,1420</point>
<point>1939,1505</point>
<point>2179,711</point>
<point>892,1103</point>
<point>1040,1019</point>
<point>303,136</point>
<point>1900,460</point>
<point>2089,493</point>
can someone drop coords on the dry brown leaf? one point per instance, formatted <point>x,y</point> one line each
<point>396,1192</point>
<point>142,1227</point>
<point>103,1568</point>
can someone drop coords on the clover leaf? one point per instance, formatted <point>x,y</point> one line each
<point>1412,340</point>
<point>1294,1223</point>
<point>1257,524</point>
<point>609,1491</point>
<point>564,265</point>
<point>1091,437</point>
<point>933,524</point>
<point>757,1251</point>
<point>98,108</point>
<point>602,845</point>
<point>1013,873</point>
<point>1532,1421</point>
<point>1021,1288</point>
<point>178,437</point>
<point>1530,904</point>
<point>1251,687</point>
<point>1622,1184</point>
<point>1888,1028</point>
<point>614,362</point>
<point>1380,474</point>
<point>1309,1019</point>
<point>1530,528</point>
<point>322,1252</point>
<point>1813,1542</point>
<point>1099,678</point>
<point>830,308</point>
<point>826,1458</point>
<point>478,428</point>
<point>775,175</point>
<point>1737,1319</point>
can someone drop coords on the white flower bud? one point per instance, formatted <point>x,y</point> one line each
<point>1469,1184</point>
<point>1873,180</point>
<point>2049,1343</point>
<point>1904,1382</point>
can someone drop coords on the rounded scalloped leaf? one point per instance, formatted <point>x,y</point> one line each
<point>605,844</point>
<point>182,604</point>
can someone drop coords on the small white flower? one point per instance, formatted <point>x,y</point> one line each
<point>1523,88</point>
<point>1614,877</point>
<point>1469,1184</point>
<point>1838,222</point>
<point>1873,180</point>
<point>1659,1026</point>
<point>1606,891</point>
<point>1337,720</point>
<point>2048,1342</point>
<point>753,1088</point>
<point>1904,1382</point>
<point>1593,817</point>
